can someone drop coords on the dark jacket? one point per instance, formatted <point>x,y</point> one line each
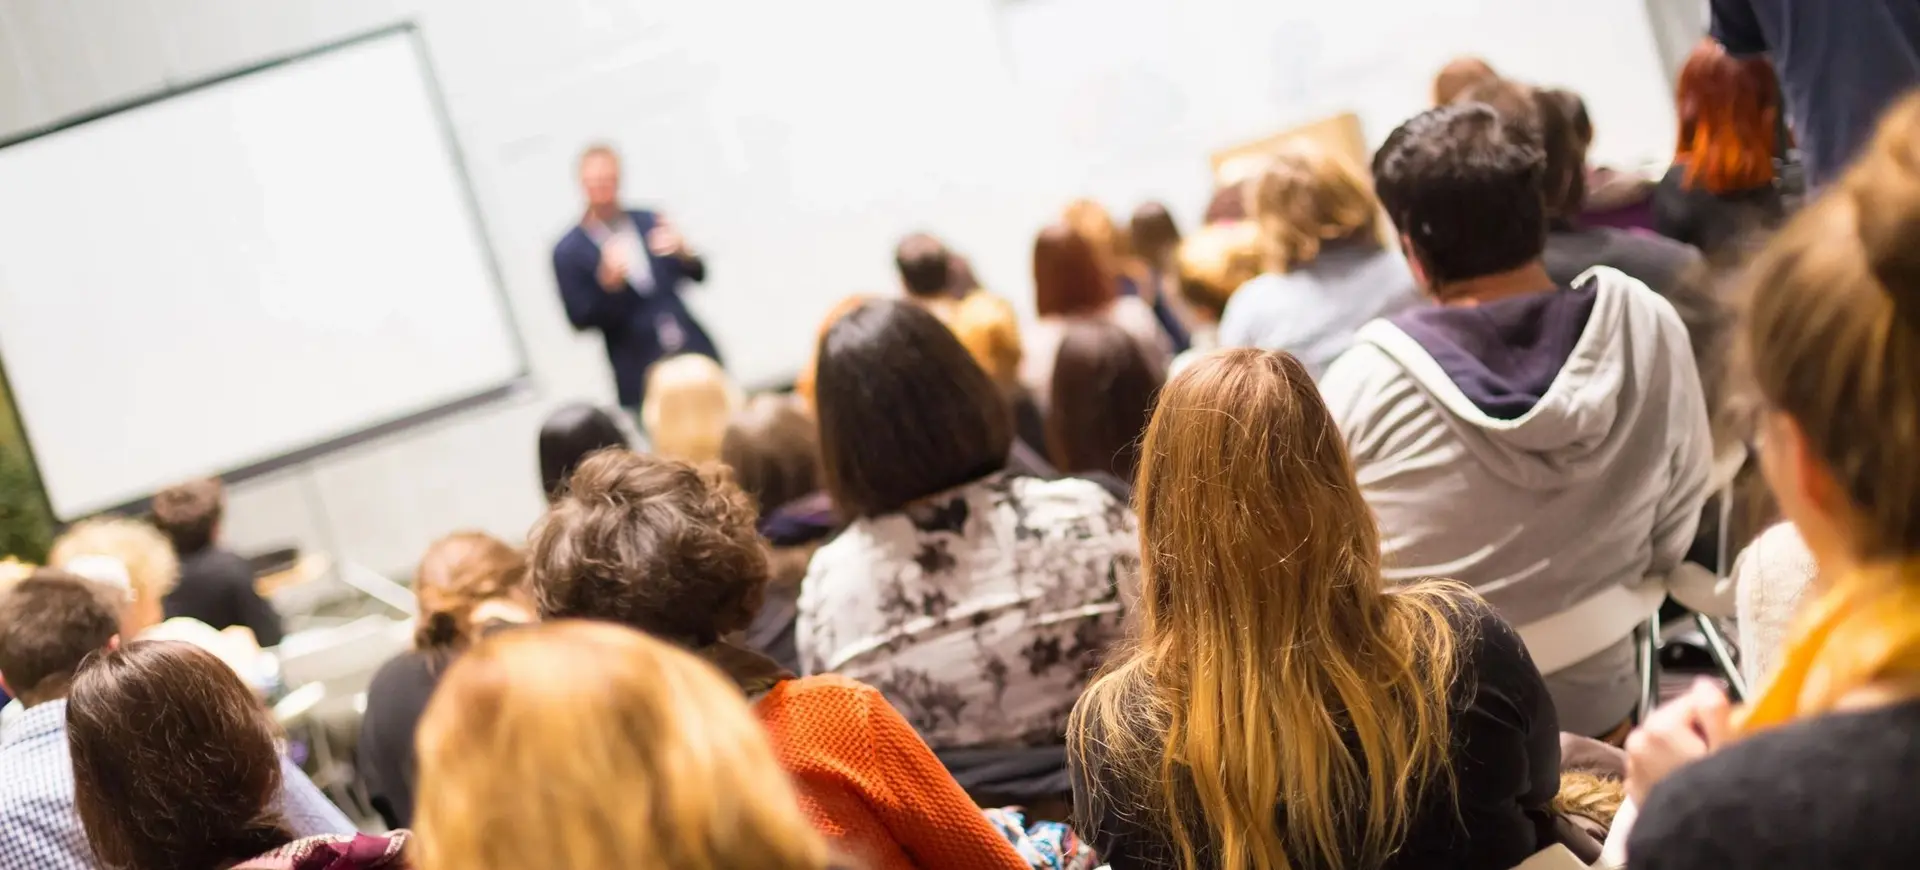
<point>639,329</point>
<point>216,587</point>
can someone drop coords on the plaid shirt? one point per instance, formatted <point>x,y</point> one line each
<point>39,827</point>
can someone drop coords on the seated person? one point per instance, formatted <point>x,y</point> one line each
<point>49,624</point>
<point>1545,443</point>
<point>773,448</point>
<point>1214,262</point>
<point>644,756</point>
<point>466,583</point>
<point>572,433</point>
<point>174,765</point>
<point>977,600</point>
<point>1270,642</point>
<point>216,585</point>
<point>659,546</point>
<point>1327,273</point>
<point>689,398</point>
<point>1073,282</point>
<point>1103,392</point>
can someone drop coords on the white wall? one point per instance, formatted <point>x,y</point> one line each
<point>794,142</point>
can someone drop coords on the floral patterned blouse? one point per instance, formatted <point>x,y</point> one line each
<point>979,613</point>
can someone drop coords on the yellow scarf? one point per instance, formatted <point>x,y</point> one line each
<point>1864,630</point>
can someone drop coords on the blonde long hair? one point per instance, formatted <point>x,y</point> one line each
<point>1268,643</point>
<point>1833,340</point>
<point>588,746</point>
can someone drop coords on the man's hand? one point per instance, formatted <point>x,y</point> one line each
<point>613,268</point>
<point>1689,728</point>
<point>665,241</point>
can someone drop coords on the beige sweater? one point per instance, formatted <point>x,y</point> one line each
<point>1770,577</point>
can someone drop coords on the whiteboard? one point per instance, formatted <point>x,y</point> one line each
<point>263,266</point>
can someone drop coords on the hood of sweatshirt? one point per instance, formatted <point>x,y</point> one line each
<point>1534,385</point>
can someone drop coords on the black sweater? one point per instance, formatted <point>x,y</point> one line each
<point>216,587</point>
<point>1506,761</point>
<point>1832,792</point>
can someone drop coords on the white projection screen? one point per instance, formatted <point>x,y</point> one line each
<point>244,273</point>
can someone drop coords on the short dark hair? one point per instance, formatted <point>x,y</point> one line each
<point>174,762</point>
<point>1104,386</point>
<point>904,410</point>
<point>653,544</point>
<point>1463,187</point>
<point>188,513</point>
<point>569,435</point>
<point>924,265</point>
<point>1155,235</point>
<point>49,623</point>
<point>773,448</point>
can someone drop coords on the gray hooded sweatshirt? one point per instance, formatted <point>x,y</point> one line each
<point>1550,450</point>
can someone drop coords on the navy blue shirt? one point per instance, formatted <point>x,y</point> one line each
<point>1841,64</point>
<point>640,329</point>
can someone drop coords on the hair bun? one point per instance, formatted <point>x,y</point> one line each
<point>1885,189</point>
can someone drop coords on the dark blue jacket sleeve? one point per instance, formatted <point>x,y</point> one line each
<point>588,306</point>
<point>1737,28</point>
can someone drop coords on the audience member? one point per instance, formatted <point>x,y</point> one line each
<point>642,755</point>
<point>1071,282</point>
<point>216,585</point>
<point>466,582</point>
<point>1214,263</point>
<point>1459,76</point>
<point>132,554</point>
<point>174,766</point>
<point>1841,65</point>
<point>1103,392</point>
<point>689,399</point>
<point>1818,772</point>
<point>1113,247</point>
<point>1155,241</point>
<point>1721,188</point>
<point>1326,271</point>
<point>671,550</point>
<point>1280,706</point>
<point>926,273</point>
<point>49,623</point>
<point>1547,444</point>
<point>977,600</point>
<point>773,448</point>
<point>570,434</point>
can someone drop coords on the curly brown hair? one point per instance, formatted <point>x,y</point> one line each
<point>651,543</point>
<point>459,573</point>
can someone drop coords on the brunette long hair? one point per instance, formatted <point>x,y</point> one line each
<point>174,763</point>
<point>1272,667</point>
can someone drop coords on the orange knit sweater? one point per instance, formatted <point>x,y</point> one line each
<point>870,784</point>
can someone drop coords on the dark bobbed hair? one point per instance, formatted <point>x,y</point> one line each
<point>904,411</point>
<point>569,435</point>
<point>174,763</point>
<point>1103,390</point>
<point>1069,276</point>
<point>1462,187</point>
<point>924,264</point>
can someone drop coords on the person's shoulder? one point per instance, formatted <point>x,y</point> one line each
<point>823,701</point>
<point>217,564</point>
<point>1072,501</point>
<point>410,668</point>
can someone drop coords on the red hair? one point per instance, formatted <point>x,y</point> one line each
<point>1729,120</point>
<point>1068,276</point>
